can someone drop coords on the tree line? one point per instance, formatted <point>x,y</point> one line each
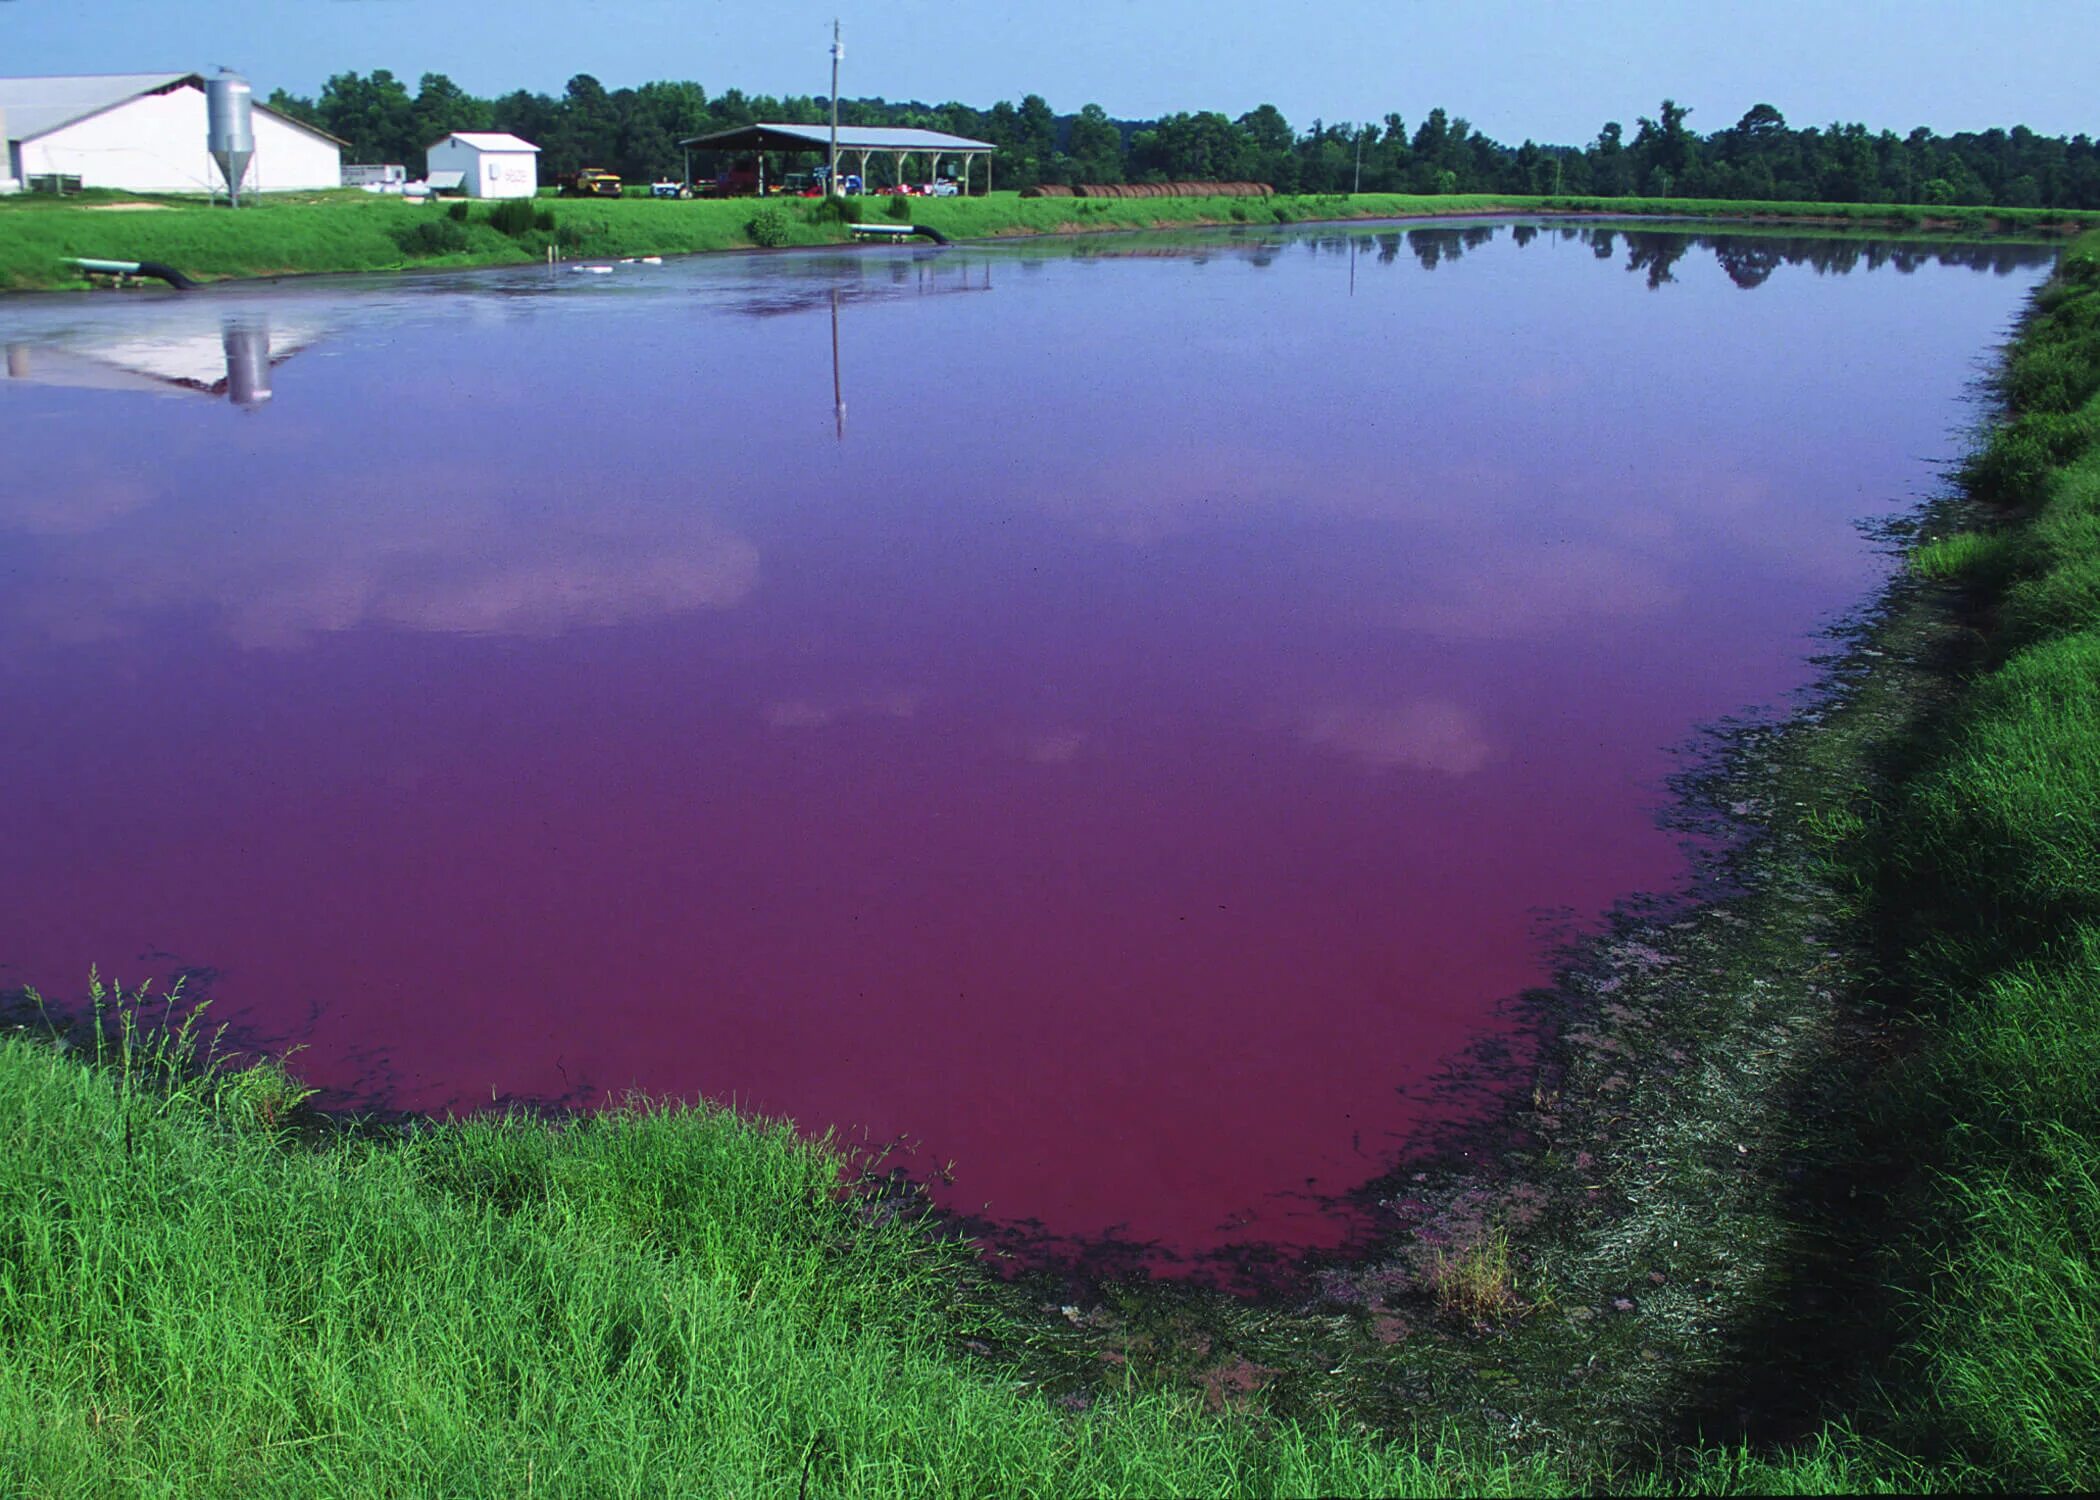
<point>635,132</point>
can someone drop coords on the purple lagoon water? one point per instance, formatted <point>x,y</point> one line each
<point>1120,715</point>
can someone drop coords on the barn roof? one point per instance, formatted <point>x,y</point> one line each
<point>38,106</point>
<point>771,137</point>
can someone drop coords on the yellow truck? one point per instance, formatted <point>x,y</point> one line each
<point>589,182</point>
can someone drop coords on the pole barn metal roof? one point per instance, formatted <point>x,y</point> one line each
<point>770,137</point>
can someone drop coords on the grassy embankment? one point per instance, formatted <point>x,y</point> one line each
<point>1986,883</point>
<point>353,231</point>
<point>677,1301</point>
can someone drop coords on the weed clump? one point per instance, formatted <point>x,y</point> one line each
<point>1974,559</point>
<point>161,1058</point>
<point>515,217</point>
<point>834,210</point>
<point>768,229</point>
<point>432,237</point>
<point>1480,1283</point>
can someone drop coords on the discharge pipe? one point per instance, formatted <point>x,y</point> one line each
<point>153,268</point>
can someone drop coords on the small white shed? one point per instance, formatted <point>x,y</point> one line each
<point>494,165</point>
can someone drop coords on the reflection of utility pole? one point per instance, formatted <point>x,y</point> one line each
<point>838,50</point>
<point>1352,265</point>
<point>838,391</point>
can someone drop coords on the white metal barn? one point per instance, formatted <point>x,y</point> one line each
<point>491,163</point>
<point>145,132</point>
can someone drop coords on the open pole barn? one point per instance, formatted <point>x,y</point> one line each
<point>899,143</point>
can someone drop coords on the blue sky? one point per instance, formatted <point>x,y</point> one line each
<point>1552,70</point>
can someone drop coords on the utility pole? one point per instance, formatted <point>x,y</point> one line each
<point>1359,187</point>
<point>838,50</point>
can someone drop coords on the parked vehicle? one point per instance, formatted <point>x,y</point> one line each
<point>589,182</point>
<point>669,189</point>
<point>849,183</point>
<point>738,181</point>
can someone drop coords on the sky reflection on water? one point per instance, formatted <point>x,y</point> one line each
<point>1119,713</point>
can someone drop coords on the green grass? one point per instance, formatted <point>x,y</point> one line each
<point>1975,558</point>
<point>650,1301</point>
<point>1990,880</point>
<point>349,231</point>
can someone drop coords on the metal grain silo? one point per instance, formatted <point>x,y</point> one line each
<point>230,121</point>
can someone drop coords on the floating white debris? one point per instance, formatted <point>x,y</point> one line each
<point>594,270</point>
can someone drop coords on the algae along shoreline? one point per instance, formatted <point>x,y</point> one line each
<point>352,231</point>
<point>1803,1196</point>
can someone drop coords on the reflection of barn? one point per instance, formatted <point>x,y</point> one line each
<point>145,133</point>
<point>857,144</point>
<point>170,350</point>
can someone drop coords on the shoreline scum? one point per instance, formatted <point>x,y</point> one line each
<point>350,232</point>
<point>1678,1245</point>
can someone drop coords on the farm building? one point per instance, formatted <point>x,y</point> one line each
<point>895,142</point>
<point>491,164</point>
<point>145,133</point>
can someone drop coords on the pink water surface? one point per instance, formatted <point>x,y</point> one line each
<point>1127,749</point>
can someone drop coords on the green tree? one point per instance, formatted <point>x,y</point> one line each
<point>1036,127</point>
<point>1663,149</point>
<point>295,106</point>
<point>441,107</point>
<point>657,117</point>
<point>1267,155</point>
<point>1432,135</point>
<point>1610,173</point>
<point>636,131</point>
<point>528,116</point>
<point>1095,146</point>
<point>585,131</point>
<point>375,115</point>
<point>1204,147</point>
